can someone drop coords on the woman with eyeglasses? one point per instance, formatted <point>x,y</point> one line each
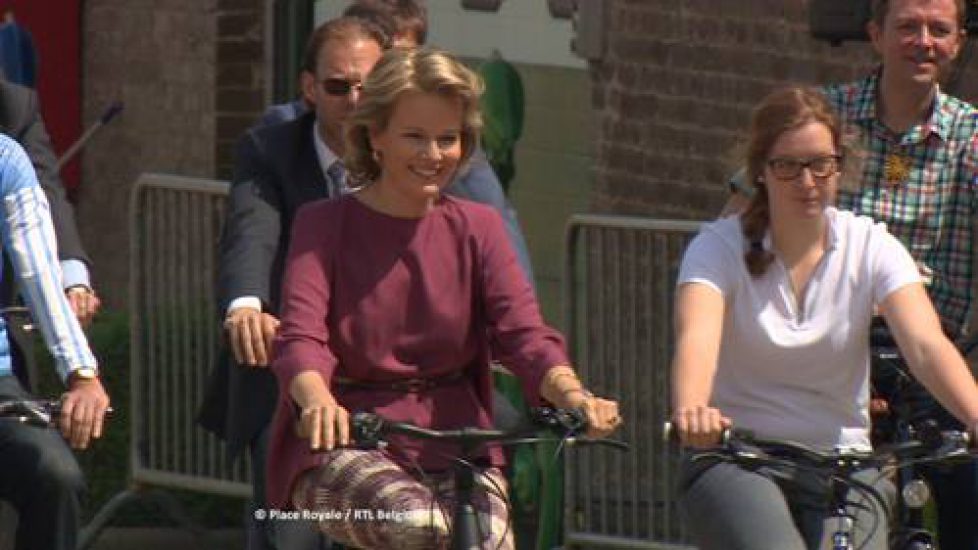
<point>773,309</point>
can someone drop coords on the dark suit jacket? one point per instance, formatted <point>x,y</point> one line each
<point>21,120</point>
<point>277,171</point>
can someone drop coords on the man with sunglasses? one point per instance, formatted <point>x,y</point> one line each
<point>278,168</point>
<point>404,22</point>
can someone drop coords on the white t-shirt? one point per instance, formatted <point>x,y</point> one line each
<point>800,374</point>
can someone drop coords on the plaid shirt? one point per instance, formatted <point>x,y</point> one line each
<point>922,184</point>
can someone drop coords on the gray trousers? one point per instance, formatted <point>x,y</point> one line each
<point>727,506</point>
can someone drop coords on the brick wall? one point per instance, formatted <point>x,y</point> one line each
<point>191,74</point>
<point>674,91</point>
<point>241,75</point>
<point>158,58</point>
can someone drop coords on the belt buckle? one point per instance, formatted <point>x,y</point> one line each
<point>413,385</point>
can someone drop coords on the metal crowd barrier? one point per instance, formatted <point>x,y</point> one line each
<point>618,289</point>
<point>174,225</point>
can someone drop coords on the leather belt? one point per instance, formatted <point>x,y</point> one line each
<point>406,385</point>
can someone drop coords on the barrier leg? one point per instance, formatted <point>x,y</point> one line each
<point>166,502</point>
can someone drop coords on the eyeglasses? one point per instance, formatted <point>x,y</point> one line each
<point>786,168</point>
<point>339,86</point>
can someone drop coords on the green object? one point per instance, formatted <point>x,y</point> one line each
<point>535,479</point>
<point>502,111</point>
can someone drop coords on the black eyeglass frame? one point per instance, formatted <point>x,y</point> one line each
<point>788,168</point>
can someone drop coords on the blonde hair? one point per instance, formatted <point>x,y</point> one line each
<point>403,71</point>
<point>780,111</point>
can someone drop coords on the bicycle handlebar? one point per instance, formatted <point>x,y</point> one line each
<point>928,443</point>
<point>35,412</point>
<point>371,428</point>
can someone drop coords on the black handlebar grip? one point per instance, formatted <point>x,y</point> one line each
<point>572,420</point>
<point>670,435</point>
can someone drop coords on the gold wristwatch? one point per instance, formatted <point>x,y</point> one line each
<point>84,373</point>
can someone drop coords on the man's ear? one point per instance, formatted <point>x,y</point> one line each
<point>307,81</point>
<point>875,34</point>
<point>372,139</point>
<point>373,132</point>
<point>962,40</point>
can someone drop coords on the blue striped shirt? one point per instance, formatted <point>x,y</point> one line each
<point>28,238</point>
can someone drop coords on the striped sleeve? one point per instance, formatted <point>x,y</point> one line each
<point>28,237</point>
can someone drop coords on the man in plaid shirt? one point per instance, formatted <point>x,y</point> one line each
<point>919,176</point>
<point>919,153</point>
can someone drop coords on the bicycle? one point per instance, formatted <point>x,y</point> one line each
<point>897,424</point>
<point>369,431</point>
<point>909,530</point>
<point>838,466</point>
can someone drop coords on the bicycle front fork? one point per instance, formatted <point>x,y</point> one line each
<point>842,537</point>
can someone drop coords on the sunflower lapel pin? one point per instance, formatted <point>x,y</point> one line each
<point>896,168</point>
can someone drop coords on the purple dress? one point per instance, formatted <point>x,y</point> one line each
<point>371,297</point>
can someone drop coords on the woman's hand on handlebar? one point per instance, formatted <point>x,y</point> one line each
<point>601,414</point>
<point>700,426</point>
<point>321,420</point>
<point>564,389</point>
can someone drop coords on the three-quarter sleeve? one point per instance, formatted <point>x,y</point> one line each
<point>519,338</point>
<point>303,336</point>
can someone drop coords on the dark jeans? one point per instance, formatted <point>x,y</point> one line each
<point>272,534</point>
<point>40,478</point>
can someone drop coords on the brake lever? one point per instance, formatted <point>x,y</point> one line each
<point>569,420</point>
<point>366,431</point>
<point>742,449</point>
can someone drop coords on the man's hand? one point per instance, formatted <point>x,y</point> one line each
<point>83,411</point>
<point>250,333</point>
<point>84,303</point>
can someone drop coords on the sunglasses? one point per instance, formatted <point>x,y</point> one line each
<point>339,86</point>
